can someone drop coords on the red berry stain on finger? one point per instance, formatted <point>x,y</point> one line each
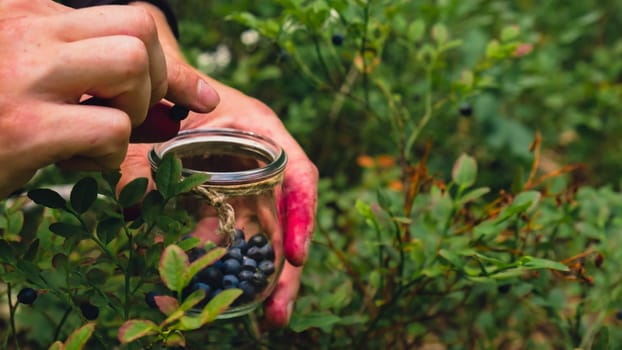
<point>299,212</point>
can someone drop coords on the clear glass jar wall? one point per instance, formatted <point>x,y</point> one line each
<point>235,208</point>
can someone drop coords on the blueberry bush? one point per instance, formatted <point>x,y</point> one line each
<point>474,203</point>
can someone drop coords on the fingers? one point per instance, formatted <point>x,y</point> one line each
<point>279,306</point>
<point>82,137</point>
<point>105,21</point>
<point>298,205</point>
<point>124,83</point>
<point>187,88</point>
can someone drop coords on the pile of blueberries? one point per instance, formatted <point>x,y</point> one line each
<point>247,265</point>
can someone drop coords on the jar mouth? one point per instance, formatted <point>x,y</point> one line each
<point>227,156</point>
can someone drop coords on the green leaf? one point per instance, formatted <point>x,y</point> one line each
<point>601,341</point>
<point>510,33</point>
<point>168,175</point>
<point>190,182</point>
<point>219,303</point>
<point>78,339</point>
<point>189,243</point>
<point>152,206</point>
<point>96,276</point>
<point>172,267</point>
<point>6,251</point>
<point>313,320</point>
<point>15,222</point>
<point>416,30</point>
<point>493,50</point>
<point>527,200</point>
<point>193,299</point>
<point>47,198</point>
<point>83,194</point>
<point>108,229</point>
<point>539,263</point>
<point>33,248</point>
<point>29,268</point>
<point>464,171</point>
<point>66,230</point>
<point>204,261</point>
<point>135,329</point>
<point>112,179</point>
<point>440,33</point>
<point>57,345</point>
<point>175,340</point>
<point>472,195</point>
<point>133,192</point>
<point>451,258</point>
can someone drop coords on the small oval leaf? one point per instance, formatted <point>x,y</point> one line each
<point>172,267</point>
<point>133,192</point>
<point>78,339</point>
<point>47,198</point>
<point>464,171</point>
<point>83,194</point>
<point>135,329</point>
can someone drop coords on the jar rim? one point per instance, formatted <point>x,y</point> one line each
<point>271,152</point>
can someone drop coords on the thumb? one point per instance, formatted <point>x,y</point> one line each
<point>187,88</point>
<point>135,165</point>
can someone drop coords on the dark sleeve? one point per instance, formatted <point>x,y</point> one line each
<point>162,4</point>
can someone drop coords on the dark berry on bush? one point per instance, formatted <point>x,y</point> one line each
<point>230,281</point>
<point>619,315</point>
<point>234,253</point>
<point>150,299</point>
<point>254,253</point>
<point>232,266</point>
<point>267,267</point>
<point>211,275</point>
<point>257,240</point>
<point>27,296</point>
<point>267,252</point>
<point>259,280</point>
<point>504,288</point>
<point>246,275</point>
<point>337,39</point>
<point>248,290</point>
<point>89,311</point>
<point>195,253</point>
<point>466,110</point>
<point>249,263</point>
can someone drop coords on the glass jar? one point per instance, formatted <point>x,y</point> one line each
<point>235,208</point>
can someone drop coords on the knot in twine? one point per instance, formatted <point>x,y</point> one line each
<point>226,214</point>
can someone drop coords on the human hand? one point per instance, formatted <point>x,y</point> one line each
<point>298,200</point>
<point>51,57</point>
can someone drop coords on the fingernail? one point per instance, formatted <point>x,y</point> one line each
<point>208,97</point>
<point>179,113</point>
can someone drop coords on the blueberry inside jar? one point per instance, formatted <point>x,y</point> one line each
<point>235,208</point>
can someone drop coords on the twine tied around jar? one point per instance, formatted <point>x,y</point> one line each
<point>226,214</point>
<point>216,196</point>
